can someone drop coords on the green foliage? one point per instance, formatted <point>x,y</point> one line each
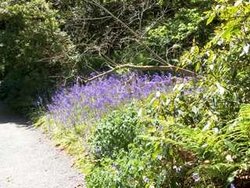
<point>178,28</point>
<point>197,136</point>
<point>229,45</point>
<point>165,155</point>
<point>34,52</point>
<point>96,33</point>
<point>115,132</point>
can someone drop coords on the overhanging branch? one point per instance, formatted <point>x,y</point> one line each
<point>165,65</point>
<point>172,68</point>
<point>138,37</point>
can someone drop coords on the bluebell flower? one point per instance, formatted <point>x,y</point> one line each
<point>80,103</point>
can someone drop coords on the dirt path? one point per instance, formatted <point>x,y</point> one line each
<point>29,160</point>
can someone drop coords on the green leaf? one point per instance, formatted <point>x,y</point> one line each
<point>211,18</point>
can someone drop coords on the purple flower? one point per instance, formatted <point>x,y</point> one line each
<point>82,103</point>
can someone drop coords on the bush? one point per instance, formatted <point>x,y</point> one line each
<point>34,52</point>
<point>165,155</point>
<point>116,132</point>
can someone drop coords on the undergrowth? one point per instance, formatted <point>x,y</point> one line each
<point>197,134</point>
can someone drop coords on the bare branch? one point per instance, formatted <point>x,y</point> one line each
<point>93,19</point>
<point>139,40</point>
<point>132,31</point>
<point>144,68</point>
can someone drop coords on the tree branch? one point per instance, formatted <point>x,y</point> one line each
<point>130,30</point>
<point>139,38</point>
<point>173,68</point>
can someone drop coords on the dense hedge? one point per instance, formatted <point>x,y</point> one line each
<point>116,132</point>
<point>35,54</point>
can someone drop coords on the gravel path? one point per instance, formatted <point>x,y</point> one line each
<point>29,160</point>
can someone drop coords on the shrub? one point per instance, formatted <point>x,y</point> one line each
<point>115,132</point>
<point>34,52</point>
<point>165,155</point>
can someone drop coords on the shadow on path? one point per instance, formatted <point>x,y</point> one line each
<point>8,116</point>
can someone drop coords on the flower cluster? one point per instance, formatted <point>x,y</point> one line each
<point>83,103</point>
